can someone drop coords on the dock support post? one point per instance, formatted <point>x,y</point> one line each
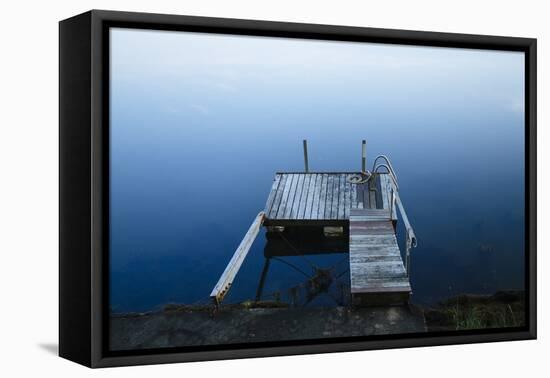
<point>260,289</point>
<point>364,156</point>
<point>305,156</point>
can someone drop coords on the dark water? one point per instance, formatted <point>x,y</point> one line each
<point>200,124</point>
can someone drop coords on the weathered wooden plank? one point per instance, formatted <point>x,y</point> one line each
<point>369,234</point>
<point>389,186</point>
<point>341,197</point>
<point>297,197</point>
<point>358,255</point>
<point>353,196</point>
<point>394,207</point>
<point>384,190</point>
<point>375,284</point>
<point>316,197</point>
<point>231,270</point>
<point>335,197</point>
<point>284,198</point>
<point>370,258</point>
<point>367,230</point>
<point>360,232</point>
<point>381,239</point>
<point>387,290</point>
<point>291,197</point>
<point>360,196</point>
<point>385,269</point>
<point>371,214</point>
<point>311,195</point>
<point>276,203</point>
<point>379,224</point>
<point>373,218</point>
<point>369,211</point>
<point>347,197</point>
<point>320,192</point>
<point>272,193</point>
<point>375,248</point>
<point>362,283</point>
<point>323,198</point>
<point>372,193</point>
<point>330,192</point>
<point>365,193</point>
<point>378,185</point>
<point>303,199</point>
<point>380,281</point>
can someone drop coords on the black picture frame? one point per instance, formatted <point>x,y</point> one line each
<point>84,199</point>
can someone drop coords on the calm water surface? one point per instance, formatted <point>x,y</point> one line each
<point>200,124</point>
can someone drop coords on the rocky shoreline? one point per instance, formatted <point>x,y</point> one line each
<point>236,324</point>
<point>252,322</point>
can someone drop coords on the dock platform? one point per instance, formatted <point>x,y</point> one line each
<point>321,198</point>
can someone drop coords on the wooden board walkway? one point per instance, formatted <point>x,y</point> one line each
<point>322,198</point>
<point>377,272</point>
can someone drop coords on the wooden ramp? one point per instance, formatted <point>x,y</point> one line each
<point>377,273</point>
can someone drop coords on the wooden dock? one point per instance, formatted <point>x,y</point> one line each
<point>322,198</point>
<point>377,271</point>
<point>364,207</point>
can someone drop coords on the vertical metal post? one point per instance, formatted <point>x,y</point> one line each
<point>408,259</point>
<point>305,156</point>
<point>364,156</point>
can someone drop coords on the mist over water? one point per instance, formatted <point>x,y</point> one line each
<point>200,123</point>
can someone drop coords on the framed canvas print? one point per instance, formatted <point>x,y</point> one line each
<point>235,188</point>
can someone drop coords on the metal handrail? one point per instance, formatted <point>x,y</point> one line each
<point>410,236</point>
<point>389,165</point>
<point>394,179</point>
